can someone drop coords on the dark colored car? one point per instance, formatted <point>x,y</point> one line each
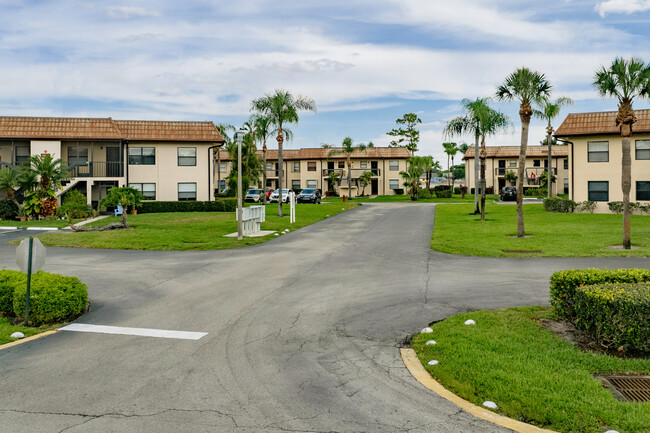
<point>508,193</point>
<point>309,195</point>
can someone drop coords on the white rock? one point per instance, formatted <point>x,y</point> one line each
<point>276,234</point>
<point>426,331</point>
<point>430,343</point>
<point>611,431</point>
<point>344,208</point>
<point>490,404</point>
<point>433,362</point>
<point>470,322</point>
<point>17,335</point>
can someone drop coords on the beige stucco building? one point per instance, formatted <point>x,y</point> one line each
<point>310,168</point>
<point>166,161</point>
<point>502,159</point>
<point>595,157</point>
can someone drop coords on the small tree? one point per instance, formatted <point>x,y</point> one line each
<point>126,196</point>
<point>510,176</point>
<point>332,178</point>
<point>408,137</point>
<point>412,175</point>
<point>9,181</point>
<point>365,180</point>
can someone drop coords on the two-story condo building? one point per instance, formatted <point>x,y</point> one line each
<point>166,161</point>
<point>311,168</point>
<point>595,157</point>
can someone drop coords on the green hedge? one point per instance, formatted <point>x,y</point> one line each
<point>559,205</point>
<point>53,298</point>
<point>565,283</point>
<point>443,191</point>
<point>219,205</point>
<point>617,315</point>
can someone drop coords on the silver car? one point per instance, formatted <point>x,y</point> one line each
<point>275,195</point>
<point>254,195</point>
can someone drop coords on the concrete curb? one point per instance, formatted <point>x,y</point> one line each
<point>414,366</point>
<point>25,340</point>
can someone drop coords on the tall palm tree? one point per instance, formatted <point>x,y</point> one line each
<point>528,87</point>
<point>263,131</point>
<point>282,107</point>
<point>492,122</point>
<point>548,111</point>
<point>348,148</point>
<point>625,80</point>
<point>223,130</point>
<point>429,165</point>
<point>450,149</point>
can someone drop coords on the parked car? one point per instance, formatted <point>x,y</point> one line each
<point>309,195</point>
<point>508,193</point>
<point>254,195</point>
<point>275,195</point>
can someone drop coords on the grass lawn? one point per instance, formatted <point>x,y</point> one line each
<point>530,373</point>
<point>190,230</point>
<point>405,198</point>
<point>553,234</point>
<point>6,329</point>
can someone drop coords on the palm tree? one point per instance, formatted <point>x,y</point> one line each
<point>625,80</point>
<point>223,130</point>
<point>411,176</point>
<point>348,148</point>
<point>450,149</point>
<point>548,111</point>
<point>365,180</point>
<point>281,107</point>
<point>429,165</point>
<point>50,171</point>
<point>10,181</point>
<point>529,87</point>
<point>263,131</point>
<point>251,164</point>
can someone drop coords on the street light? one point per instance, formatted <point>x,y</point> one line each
<point>239,137</point>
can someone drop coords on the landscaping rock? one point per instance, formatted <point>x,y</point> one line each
<point>433,362</point>
<point>276,234</point>
<point>430,343</point>
<point>490,404</point>
<point>17,335</point>
<point>470,322</point>
<point>426,330</point>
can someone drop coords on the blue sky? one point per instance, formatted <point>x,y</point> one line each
<point>364,62</point>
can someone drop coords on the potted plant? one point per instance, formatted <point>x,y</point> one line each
<point>22,214</point>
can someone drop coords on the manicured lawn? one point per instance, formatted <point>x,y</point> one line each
<point>530,373</point>
<point>191,230</point>
<point>457,231</point>
<point>6,329</point>
<point>405,198</point>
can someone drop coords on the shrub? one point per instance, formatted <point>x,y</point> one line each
<point>533,192</point>
<point>53,298</point>
<point>74,204</point>
<point>615,206</point>
<point>424,193</point>
<point>399,191</point>
<point>587,206</point>
<point>559,205</point>
<point>8,210</point>
<point>219,205</point>
<point>616,315</point>
<point>489,190</point>
<point>9,280</point>
<point>443,191</point>
<point>457,190</point>
<point>564,284</point>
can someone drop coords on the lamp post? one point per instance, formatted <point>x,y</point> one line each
<point>239,137</point>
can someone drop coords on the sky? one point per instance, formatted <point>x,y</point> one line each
<point>365,63</point>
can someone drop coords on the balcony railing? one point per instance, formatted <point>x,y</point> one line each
<point>97,169</point>
<point>500,171</point>
<point>360,171</point>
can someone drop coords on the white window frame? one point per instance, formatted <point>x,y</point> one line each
<point>644,151</point>
<point>392,182</point>
<point>312,183</point>
<point>145,188</point>
<point>187,189</point>
<point>393,166</point>
<point>186,160</point>
<point>596,155</point>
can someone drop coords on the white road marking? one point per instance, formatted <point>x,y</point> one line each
<point>143,332</point>
<point>8,228</point>
<point>42,228</point>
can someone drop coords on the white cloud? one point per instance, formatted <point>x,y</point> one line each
<point>622,7</point>
<point>124,12</point>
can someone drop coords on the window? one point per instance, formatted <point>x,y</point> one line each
<point>566,163</point>
<point>22,154</point>
<point>269,166</point>
<point>296,167</point>
<point>295,184</point>
<point>142,155</point>
<point>642,149</point>
<point>223,167</point>
<point>312,184</point>
<point>187,191</point>
<point>222,184</point>
<point>341,164</point>
<point>393,183</point>
<point>566,185</point>
<point>148,190</point>
<point>643,191</point>
<point>187,156</point>
<point>598,191</point>
<point>513,164</point>
<point>77,156</point>
<point>598,151</point>
<point>393,166</point>
<point>363,165</point>
<point>536,163</point>
<point>311,166</point>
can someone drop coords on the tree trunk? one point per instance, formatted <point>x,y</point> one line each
<point>483,155</point>
<point>124,216</point>
<point>549,168</point>
<point>264,174</point>
<point>525,113</point>
<point>626,183</point>
<point>476,176</point>
<point>349,177</point>
<point>280,139</point>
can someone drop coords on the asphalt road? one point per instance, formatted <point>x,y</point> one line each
<point>303,332</point>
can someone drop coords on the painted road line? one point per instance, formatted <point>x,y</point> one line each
<point>9,228</point>
<point>42,228</point>
<point>142,332</point>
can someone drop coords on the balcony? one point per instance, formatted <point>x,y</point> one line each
<point>529,171</point>
<point>360,171</point>
<point>97,169</point>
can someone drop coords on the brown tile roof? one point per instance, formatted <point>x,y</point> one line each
<point>600,123</point>
<point>58,128</point>
<point>320,153</point>
<point>513,152</point>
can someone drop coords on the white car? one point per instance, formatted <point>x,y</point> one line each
<point>275,195</point>
<point>254,195</point>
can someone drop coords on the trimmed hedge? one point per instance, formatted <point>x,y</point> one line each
<point>617,315</point>
<point>9,280</point>
<point>443,191</point>
<point>219,205</point>
<point>565,283</point>
<point>559,205</point>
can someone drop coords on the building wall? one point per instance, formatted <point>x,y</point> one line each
<point>610,171</point>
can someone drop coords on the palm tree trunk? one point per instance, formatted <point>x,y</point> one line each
<point>124,212</point>
<point>483,184</point>
<point>549,168</point>
<point>626,183</point>
<point>264,174</point>
<point>280,139</point>
<point>349,177</point>
<point>476,176</point>
<point>525,113</point>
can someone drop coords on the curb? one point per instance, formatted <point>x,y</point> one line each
<point>414,366</point>
<point>25,340</point>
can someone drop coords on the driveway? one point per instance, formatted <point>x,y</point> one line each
<point>303,332</point>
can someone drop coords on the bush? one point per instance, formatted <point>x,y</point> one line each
<point>616,315</point>
<point>443,191</point>
<point>9,280</point>
<point>8,210</point>
<point>399,191</point>
<point>587,206</point>
<point>615,206</point>
<point>534,192</point>
<point>53,298</point>
<point>565,283</point>
<point>219,205</point>
<point>457,190</point>
<point>489,190</point>
<point>74,204</point>
<point>559,205</point>
<point>424,193</point>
